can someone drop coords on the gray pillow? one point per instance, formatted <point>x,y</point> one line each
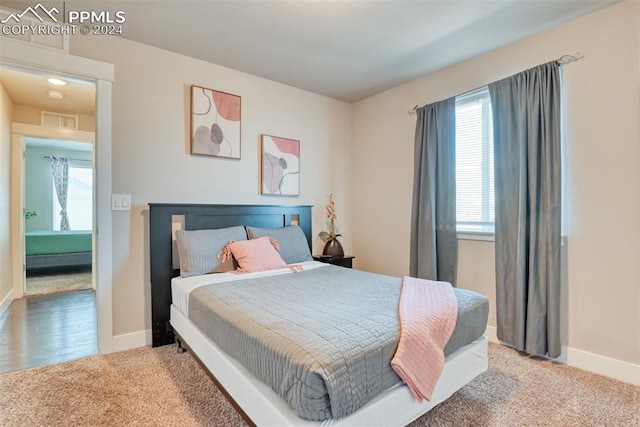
<point>199,249</point>
<point>293,243</point>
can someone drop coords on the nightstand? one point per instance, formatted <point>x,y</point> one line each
<point>344,261</point>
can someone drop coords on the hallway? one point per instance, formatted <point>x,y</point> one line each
<point>46,329</point>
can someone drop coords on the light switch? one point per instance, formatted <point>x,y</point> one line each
<point>121,202</point>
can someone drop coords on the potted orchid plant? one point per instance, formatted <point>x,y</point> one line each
<point>332,246</point>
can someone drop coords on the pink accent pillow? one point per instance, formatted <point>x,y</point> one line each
<point>256,255</point>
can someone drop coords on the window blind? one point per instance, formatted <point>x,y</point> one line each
<point>475,197</point>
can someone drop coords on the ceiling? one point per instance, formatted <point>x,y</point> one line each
<point>32,90</point>
<point>348,49</point>
<point>343,49</point>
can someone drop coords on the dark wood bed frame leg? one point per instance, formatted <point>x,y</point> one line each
<point>181,349</point>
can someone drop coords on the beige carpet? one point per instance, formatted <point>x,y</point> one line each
<point>56,283</point>
<point>158,387</point>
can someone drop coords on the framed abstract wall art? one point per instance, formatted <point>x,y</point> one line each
<point>215,123</point>
<point>280,166</point>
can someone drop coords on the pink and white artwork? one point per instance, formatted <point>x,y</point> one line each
<point>215,123</point>
<point>280,166</point>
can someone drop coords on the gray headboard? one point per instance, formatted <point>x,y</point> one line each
<point>198,217</point>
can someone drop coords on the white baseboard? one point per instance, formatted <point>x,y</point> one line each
<point>131,340</point>
<point>6,302</point>
<point>603,365</point>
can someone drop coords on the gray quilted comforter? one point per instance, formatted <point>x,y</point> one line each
<point>323,339</point>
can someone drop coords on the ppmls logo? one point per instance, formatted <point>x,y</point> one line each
<point>34,11</point>
<point>84,21</point>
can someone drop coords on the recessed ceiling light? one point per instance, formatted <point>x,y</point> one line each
<point>57,82</point>
<point>55,94</point>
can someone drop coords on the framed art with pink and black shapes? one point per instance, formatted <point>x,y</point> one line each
<point>280,164</point>
<point>215,123</point>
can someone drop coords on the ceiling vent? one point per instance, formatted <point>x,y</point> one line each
<point>57,120</point>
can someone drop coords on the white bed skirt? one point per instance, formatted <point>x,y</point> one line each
<point>394,407</point>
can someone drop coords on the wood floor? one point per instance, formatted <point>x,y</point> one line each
<point>46,329</point>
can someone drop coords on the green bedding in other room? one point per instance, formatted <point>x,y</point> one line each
<point>57,242</point>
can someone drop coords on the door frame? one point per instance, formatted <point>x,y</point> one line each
<point>37,59</point>
<point>18,226</point>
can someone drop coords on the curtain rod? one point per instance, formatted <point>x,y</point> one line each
<point>75,160</point>
<point>564,59</point>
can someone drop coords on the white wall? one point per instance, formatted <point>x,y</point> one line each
<point>38,185</point>
<point>6,112</point>
<point>603,173</point>
<point>151,159</point>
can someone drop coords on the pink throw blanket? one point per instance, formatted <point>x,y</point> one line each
<point>428,313</point>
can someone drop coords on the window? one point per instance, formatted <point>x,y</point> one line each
<point>79,199</point>
<point>475,197</point>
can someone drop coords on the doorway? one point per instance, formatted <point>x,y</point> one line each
<point>58,252</point>
<point>53,317</point>
<point>23,56</point>
<point>26,57</point>
<point>29,57</point>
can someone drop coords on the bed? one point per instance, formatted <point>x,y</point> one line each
<point>259,402</point>
<point>53,249</point>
